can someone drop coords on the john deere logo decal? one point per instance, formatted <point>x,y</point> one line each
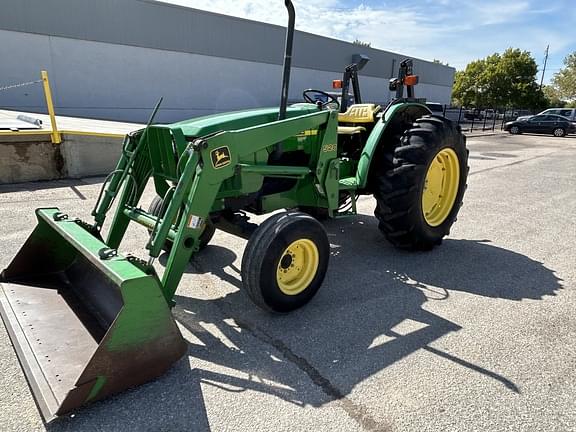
<point>220,157</point>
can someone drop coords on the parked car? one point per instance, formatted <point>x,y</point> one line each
<point>472,114</point>
<point>569,113</point>
<point>511,115</point>
<point>435,107</point>
<point>546,124</point>
<point>452,114</point>
<point>488,114</point>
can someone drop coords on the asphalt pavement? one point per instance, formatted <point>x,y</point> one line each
<point>477,335</point>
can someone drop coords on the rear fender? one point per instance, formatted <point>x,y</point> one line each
<point>394,117</point>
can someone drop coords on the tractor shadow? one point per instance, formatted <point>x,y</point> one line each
<point>368,315</point>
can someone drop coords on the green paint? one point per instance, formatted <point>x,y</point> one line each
<point>374,140</point>
<point>186,155</point>
<point>197,166</point>
<point>100,381</point>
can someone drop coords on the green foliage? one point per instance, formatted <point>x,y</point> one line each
<point>500,80</point>
<point>553,97</point>
<point>440,62</point>
<point>564,80</point>
<point>362,44</point>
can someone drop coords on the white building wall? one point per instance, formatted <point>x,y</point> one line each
<point>121,82</point>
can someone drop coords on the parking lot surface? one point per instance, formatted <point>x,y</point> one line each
<point>477,335</point>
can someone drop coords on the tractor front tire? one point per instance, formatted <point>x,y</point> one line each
<point>155,209</point>
<point>420,184</point>
<point>285,261</point>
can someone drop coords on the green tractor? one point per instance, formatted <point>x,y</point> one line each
<point>87,321</point>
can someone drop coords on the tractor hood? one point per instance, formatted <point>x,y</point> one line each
<point>203,126</point>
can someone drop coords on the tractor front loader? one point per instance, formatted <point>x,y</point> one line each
<point>87,321</point>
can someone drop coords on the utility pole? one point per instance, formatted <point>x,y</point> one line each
<point>544,70</point>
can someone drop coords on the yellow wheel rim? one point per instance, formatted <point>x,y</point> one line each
<point>297,267</point>
<point>441,187</point>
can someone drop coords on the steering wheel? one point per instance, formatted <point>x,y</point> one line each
<point>330,99</point>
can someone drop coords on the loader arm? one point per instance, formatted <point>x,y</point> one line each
<point>203,176</point>
<point>80,313</point>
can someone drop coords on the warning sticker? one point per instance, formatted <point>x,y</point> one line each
<point>195,222</point>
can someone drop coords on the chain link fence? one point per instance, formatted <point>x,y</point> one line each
<point>480,119</point>
<point>47,92</point>
<point>23,84</point>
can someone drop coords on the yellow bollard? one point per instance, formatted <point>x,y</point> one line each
<point>56,138</point>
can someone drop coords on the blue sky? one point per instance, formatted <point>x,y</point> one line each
<point>452,31</point>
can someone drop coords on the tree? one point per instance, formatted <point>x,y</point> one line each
<point>564,81</point>
<point>553,96</point>
<point>440,62</point>
<point>362,44</point>
<point>500,80</point>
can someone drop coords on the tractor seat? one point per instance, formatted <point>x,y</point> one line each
<point>359,113</point>
<point>350,130</point>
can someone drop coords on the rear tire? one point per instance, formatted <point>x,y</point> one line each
<point>209,229</point>
<point>285,261</point>
<point>419,188</point>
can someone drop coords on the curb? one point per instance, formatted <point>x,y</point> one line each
<point>481,134</point>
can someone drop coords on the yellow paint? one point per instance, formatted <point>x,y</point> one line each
<point>359,113</point>
<point>310,132</point>
<point>297,267</point>
<point>327,148</point>
<point>26,132</point>
<point>63,132</point>
<point>441,187</point>
<point>56,138</point>
<point>94,134</point>
<point>350,130</point>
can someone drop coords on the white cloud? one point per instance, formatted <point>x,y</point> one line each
<point>452,31</point>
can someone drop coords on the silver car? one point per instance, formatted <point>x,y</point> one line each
<point>569,113</point>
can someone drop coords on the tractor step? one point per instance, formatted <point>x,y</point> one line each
<point>348,183</point>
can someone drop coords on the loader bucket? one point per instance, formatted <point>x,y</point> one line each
<point>84,324</point>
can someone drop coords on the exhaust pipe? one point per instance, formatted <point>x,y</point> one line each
<point>287,58</point>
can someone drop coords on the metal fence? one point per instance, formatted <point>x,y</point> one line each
<point>481,119</point>
<point>54,132</point>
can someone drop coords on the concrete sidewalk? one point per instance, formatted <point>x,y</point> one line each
<point>479,133</point>
<point>76,123</point>
<point>89,147</point>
